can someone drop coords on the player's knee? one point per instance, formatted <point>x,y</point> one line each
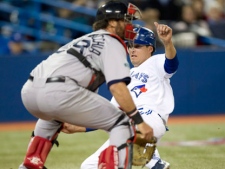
<point>89,164</point>
<point>84,165</point>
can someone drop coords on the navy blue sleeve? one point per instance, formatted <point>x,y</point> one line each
<point>171,65</point>
<point>125,80</point>
<point>90,129</point>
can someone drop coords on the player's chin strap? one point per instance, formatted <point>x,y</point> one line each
<point>38,151</point>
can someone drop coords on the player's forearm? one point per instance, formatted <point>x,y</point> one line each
<point>70,128</point>
<point>170,50</point>
<point>126,103</point>
<point>122,96</point>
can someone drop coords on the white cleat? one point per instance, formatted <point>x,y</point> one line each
<point>22,167</point>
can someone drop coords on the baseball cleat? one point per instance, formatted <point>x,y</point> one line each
<point>161,164</point>
<point>22,167</point>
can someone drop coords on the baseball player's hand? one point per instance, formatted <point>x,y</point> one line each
<point>164,32</point>
<point>146,131</point>
<point>70,129</point>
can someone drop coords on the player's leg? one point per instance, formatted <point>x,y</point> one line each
<point>121,145</point>
<point>42,140</point>
<point>159,128</point>
<point>45,132</point>
<point>92,161</point>
<point>91,110</point>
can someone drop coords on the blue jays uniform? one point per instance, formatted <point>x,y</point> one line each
<point>150,87</point>
<point>153,95</point>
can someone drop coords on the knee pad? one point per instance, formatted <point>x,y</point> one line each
<point>37,152</point>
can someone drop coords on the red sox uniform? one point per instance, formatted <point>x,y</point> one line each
<point>68,100</point>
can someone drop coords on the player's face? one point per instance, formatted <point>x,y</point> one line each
<point>120,28</point>
<point>139,53</point>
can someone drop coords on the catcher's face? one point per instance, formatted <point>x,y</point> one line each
<point>139,53</point>
<point>120,28</point>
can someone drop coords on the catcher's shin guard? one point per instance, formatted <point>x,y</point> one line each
<point>37,152</point>
<point>110,156</point>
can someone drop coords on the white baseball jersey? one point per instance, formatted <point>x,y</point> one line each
<point>152,94</point>
<point>150,87</point>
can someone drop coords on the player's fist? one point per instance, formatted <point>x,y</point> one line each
<point>164,32</point>
<point>146,131</point>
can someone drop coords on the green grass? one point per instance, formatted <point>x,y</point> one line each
<point>73,149</point>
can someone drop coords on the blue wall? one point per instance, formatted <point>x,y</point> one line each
<point>199,84</point>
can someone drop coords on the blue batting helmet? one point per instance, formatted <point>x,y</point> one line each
<point>145,37</point>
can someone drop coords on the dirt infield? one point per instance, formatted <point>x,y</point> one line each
<point>172,120</point>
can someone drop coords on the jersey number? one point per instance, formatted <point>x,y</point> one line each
<point>82,44</point>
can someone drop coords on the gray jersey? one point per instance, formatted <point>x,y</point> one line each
<point>103,51</point>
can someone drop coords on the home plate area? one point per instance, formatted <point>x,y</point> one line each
<point>211,141</point>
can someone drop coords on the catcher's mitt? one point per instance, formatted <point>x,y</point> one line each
<point>143,150</point>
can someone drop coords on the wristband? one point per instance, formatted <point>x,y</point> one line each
<point>90,129</point>
<point>135,116</point>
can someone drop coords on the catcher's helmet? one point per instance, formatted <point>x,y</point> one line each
<point>144,36</point>
<point>111,10</point>
<point>115,9</point>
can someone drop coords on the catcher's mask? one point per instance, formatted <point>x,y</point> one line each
<point>118,10</point>
<point>144,36</point>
